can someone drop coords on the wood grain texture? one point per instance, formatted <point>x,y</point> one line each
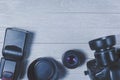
<point>38,6</point>
<point>61,25</point>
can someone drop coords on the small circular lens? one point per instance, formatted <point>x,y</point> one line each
<point>72,59</point>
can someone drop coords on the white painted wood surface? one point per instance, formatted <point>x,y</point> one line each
<point>61,25</point>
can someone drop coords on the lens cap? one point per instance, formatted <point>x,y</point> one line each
<point>42,69</point>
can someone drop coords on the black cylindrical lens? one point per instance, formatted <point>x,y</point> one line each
<point>73,58</point>
<point>42,69</point>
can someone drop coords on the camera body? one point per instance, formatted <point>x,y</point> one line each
<point>106,65</point>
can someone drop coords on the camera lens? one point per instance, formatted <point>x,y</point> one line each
<point>42,69</point>
<point>102,43</point>
<point>72,59</point>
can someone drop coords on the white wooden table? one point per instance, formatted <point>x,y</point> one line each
<point>61,25</point>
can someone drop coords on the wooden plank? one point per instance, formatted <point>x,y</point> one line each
<point>55,50</point>
<point>38,6</point>
<point>64,21</point>
<point>67,35</point>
